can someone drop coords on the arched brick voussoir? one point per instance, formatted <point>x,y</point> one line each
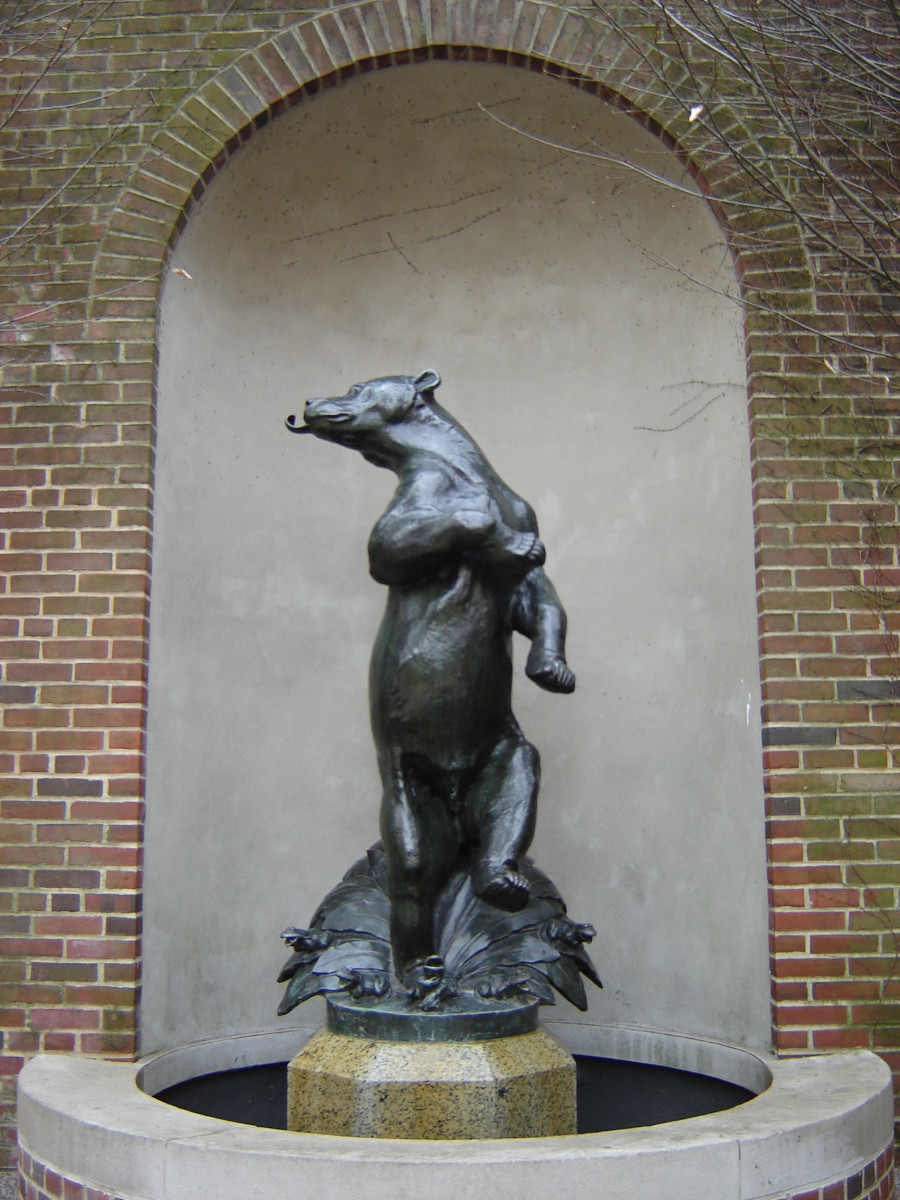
<point>198,138</point>
<point>623,63</point>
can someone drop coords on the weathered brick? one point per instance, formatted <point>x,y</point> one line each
<point>76,427</point>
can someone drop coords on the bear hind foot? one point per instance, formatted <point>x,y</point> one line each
<point>507,889</point>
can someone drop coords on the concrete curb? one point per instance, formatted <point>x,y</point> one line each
<point>821,1120</point>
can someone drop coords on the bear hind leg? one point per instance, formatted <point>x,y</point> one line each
<point>421,845</point>
<point>501,810</point>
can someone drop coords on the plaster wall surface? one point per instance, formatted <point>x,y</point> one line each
<point>576,311</point>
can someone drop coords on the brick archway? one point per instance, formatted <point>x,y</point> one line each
<point>355,38</point>
<point>196,142</point>
<point>79,412</point>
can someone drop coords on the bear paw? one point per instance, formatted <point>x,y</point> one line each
<point>527,548</point>
<point>549,671</point>
<point>507,889</point>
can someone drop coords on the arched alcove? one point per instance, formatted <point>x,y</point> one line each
<point>576,311</point>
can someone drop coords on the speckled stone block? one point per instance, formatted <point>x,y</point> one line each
<point>508,1087</point>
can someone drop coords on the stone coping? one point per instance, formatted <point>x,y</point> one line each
<point>821,1119</point>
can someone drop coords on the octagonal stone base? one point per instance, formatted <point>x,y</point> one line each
<point>509,1087</point>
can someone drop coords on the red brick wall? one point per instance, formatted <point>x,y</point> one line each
<point>112,124</point>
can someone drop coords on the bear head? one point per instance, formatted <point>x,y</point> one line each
<point>366,418</point>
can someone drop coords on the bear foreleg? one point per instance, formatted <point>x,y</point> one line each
<point>538,614</point>
<point>410,543</point>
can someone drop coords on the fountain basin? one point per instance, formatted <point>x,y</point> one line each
<point>815,1122</point>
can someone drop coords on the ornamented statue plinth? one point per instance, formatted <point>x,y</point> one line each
<point>445,925</point>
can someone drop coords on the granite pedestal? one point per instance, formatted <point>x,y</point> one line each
<point>418,1079</point>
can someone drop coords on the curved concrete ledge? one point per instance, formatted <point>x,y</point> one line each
<point>821,1119</point>
<point>627,1043</point>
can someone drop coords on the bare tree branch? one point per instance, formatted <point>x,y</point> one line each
<point>825,90</point>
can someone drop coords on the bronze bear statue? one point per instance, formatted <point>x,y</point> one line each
<point>460,554</point>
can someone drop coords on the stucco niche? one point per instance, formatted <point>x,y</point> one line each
<point>382,227</point>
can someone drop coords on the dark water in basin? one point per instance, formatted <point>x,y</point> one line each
<point>611,1095</point>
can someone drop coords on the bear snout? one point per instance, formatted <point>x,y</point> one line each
<point>326,412</point>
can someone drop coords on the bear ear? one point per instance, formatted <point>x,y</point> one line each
<point>426,382</point>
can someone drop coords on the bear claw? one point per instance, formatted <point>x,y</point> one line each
<point>550,672</point>
<point>507,890</point>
